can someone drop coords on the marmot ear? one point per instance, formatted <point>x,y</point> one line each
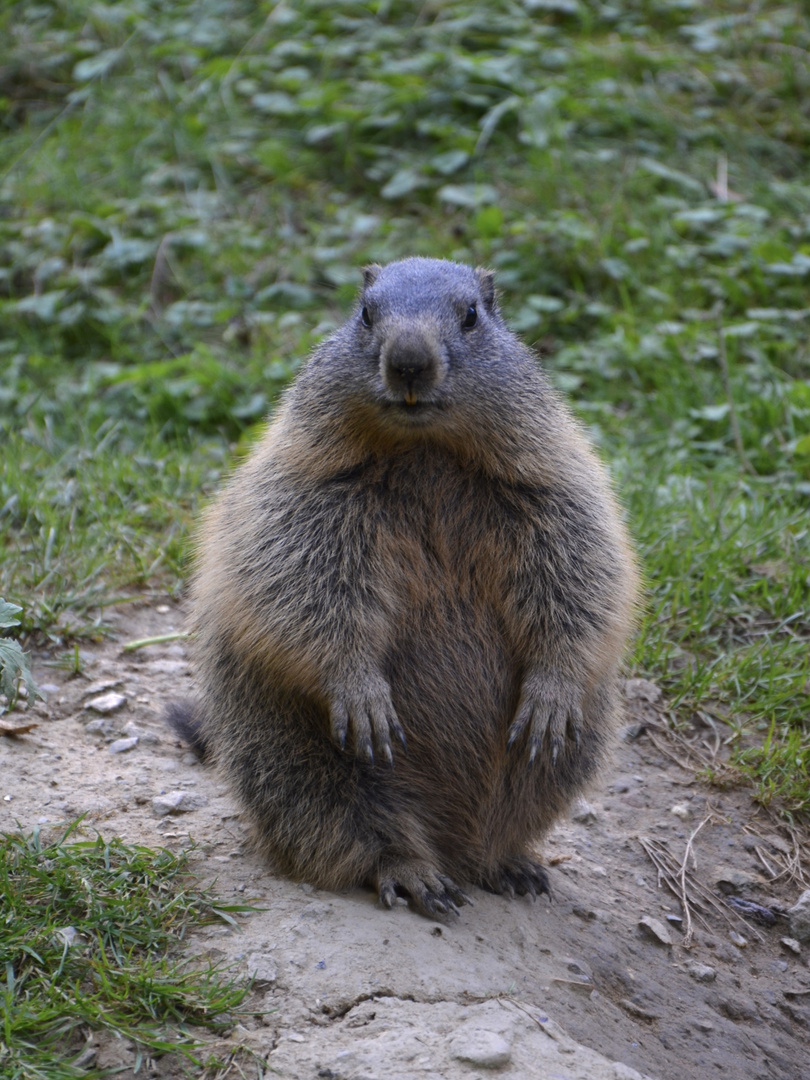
<point>486,282</point>
<point>370,274</point>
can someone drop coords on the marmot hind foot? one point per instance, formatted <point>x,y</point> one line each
<point>519,876</point>
<point>431,893</point>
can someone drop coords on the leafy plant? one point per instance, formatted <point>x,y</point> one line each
<point>14,669</point>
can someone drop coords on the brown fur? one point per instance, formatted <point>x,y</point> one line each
<point>422,550</point>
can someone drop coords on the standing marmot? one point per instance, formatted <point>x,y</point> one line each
<point>410,604</point>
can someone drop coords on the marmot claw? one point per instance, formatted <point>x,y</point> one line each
<point>370,714</point>
<point>547,706</point>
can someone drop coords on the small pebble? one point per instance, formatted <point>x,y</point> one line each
<point>738,939</point>
<point>656,930</point>
<point>704,1025</point>
<point>100,686</point>
<point>701,972</point>
<point>68,935</point>
<point>121,746</point>
<point>800,918</point>
<point>680,810</point>
<point>792,944</point>
<point>583,812</point>
<point>177,802</point>
<point>106,703</point>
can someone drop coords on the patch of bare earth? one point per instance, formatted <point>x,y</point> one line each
<point>600,983</point>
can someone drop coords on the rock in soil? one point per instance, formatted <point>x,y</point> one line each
<point>800,918</point>
<point>177,802</point>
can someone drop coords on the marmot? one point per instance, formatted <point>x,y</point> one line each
<point>410,604</point>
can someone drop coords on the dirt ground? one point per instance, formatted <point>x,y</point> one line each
<point>576,989</point>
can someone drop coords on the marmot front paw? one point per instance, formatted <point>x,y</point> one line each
<point>365,706</point>
<point>548,704</point>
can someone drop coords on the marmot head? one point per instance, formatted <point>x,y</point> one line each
<point>424,357</point>
<point>420,322</point>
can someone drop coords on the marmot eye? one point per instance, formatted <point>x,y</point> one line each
<point>366,318</point>
<point>471,318</point>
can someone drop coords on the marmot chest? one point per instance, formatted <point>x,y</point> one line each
<point>439,541</point>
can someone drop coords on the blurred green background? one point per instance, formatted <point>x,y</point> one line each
<point>188,191</point>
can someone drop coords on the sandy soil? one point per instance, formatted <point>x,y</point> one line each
<point>343,989</point>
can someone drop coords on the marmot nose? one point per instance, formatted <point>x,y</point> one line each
<point>408,365</point>
<point>411,363</point>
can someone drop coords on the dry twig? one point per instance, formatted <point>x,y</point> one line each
<point>790,862</point>
<point>16,727</point>
<point>687,914</point>
<point>694,897</point>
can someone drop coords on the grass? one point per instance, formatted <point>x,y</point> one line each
<point>90,931</point>
<point>188,190</point>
